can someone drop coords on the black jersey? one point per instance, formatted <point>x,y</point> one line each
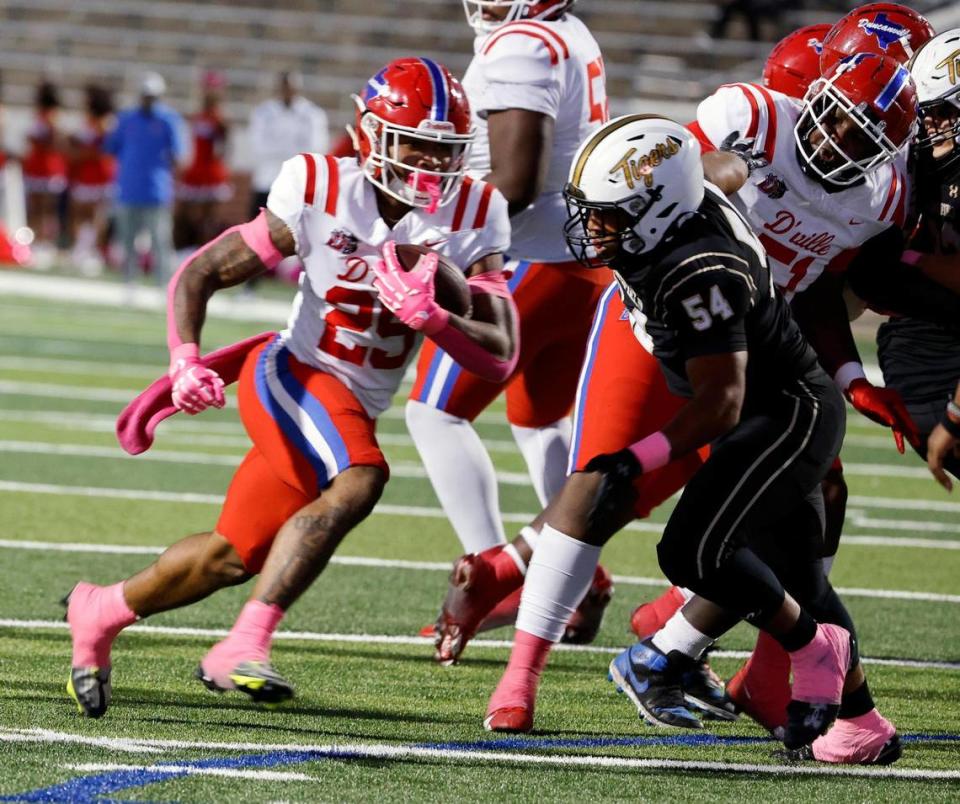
<point>918,358</point>
<point>708,290</point>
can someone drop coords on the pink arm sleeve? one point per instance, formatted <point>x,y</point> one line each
<point>475,358</point>
<point>493,284</point>
<point>255,233</point>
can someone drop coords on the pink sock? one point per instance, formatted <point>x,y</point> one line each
<point>518,685</point>
<point>96,615</point>
<point>253,630</point>
<point>820,667</point>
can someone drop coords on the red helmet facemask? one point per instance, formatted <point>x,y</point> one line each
<point>794,61</point>
<point>887,29</point>
<point>416,102</point>
<point>872,94</point>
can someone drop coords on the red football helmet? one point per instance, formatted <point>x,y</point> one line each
<point>887,29</point>
<point>516,10</point>
<point>795,61</point>
<point>414,100</point>
<point>856,117</point>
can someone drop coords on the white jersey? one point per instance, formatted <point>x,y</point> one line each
<point>338,324</point>
<point>553,67</point>
<point>803,228</point>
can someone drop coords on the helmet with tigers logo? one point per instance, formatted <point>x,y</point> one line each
<point>936,70</point>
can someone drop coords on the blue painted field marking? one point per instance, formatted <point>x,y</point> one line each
<point>90,788</point>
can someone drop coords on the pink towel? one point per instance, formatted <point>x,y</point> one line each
<point>138,420</point>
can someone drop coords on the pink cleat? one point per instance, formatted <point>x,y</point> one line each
<point>819,670</point>
<point>96,615</point>
<point>242,660</point>
<point>228,666</point>
<point>869,739</point>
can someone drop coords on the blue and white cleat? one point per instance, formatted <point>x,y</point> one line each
<point>646,676</point>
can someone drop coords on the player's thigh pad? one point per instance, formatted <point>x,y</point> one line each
<point>757,475</point>
<point>258,502</point>
<point>556,307</point>
<point>307,424</point>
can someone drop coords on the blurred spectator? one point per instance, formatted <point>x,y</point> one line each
<point>205,184</point>
<point>282,127</point>
<point>753,12</point>
<point>92,173</point>
<point>147,143</point>
<point>45,170</point>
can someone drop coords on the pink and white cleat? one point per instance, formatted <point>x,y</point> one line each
<point>231,666</point>
<point>96,615</point>
<point>819,670</point>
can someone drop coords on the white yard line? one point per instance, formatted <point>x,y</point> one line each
<point>393,639</point>
<point>115,295</point>
<point>189,770</point>
<point>436,566</point>
<point>346,751</point>
<point>108,368</point>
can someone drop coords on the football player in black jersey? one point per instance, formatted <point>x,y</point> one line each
<point>920,354</point>
<point>747,532</point>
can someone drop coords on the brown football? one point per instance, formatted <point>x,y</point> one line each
<point>453,293</point>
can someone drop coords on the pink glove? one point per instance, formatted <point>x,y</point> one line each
<point>194,386</point>
<point>409,295</point>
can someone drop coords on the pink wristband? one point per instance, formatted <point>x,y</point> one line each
<point>185,351</point>
<point>493,284</point>
<point>911,257</point>
<point>652,451</point>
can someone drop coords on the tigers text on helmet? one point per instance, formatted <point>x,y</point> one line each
<point>413,101</point>
<point>515,10</point>
<point>856,117</point>
<point>887,29</point>
<point>794,61</point>
<point>641,174</point>
<point>936,71</point>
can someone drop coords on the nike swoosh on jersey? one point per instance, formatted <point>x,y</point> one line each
<point>855,223</point>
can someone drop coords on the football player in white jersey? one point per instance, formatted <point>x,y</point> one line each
<point>536,88</point>
<point>309,396</point>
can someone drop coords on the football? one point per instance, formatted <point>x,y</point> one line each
<point>453,293</point>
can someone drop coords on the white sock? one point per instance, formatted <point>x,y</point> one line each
<point>545,450</point>
<point>687,593</point>
<point>678,634</point>
<point>462,475</point>
<point>559,575</point>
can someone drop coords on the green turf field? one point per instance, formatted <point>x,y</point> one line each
<point>373,717</point>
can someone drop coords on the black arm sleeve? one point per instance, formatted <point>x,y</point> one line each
<point>891,286</point>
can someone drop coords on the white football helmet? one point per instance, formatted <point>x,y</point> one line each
<point>517,10</point>
<point>935,68</point>
<point>646,168</point>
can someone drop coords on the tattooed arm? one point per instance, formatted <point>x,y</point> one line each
<point>223,263</point>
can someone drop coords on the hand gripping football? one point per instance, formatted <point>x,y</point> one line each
<point>453,293</point>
